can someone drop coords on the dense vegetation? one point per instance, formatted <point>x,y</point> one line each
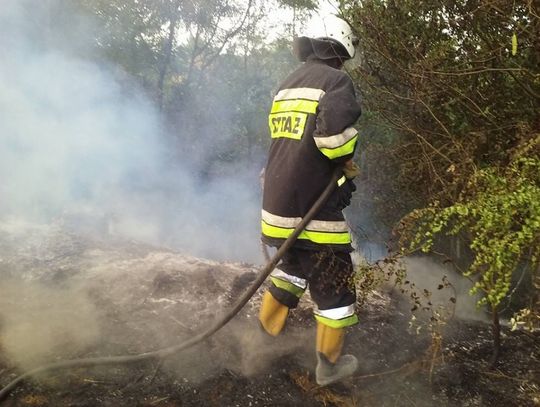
<point>452,89</point>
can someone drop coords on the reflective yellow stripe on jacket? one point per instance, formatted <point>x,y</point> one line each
<point>317,231</point>
<point>338,145</point>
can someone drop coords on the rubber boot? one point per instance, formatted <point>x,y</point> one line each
<point>331,365</point>
<point>273,314</point>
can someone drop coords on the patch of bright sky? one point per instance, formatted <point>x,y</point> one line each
<point>276,19</point>
<point>279,16</point>
<point>326,7</point>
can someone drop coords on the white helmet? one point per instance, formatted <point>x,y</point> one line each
<point>322,39</point>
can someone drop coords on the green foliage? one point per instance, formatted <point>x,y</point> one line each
<point>451,143</point>
<point>127,33</point>
<point>500,212</point>
<point>441,77</point>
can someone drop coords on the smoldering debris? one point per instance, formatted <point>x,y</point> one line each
<point>70,296</point>
<point>142,298</point>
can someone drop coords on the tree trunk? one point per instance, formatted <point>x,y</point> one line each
<point>166,60</point>
<point>496,330</point>
<point>294,22</point>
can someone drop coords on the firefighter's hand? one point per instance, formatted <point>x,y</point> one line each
<point>351,170</point>
<point>345,194</point>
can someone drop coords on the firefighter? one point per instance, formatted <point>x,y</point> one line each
<point>310,124</point>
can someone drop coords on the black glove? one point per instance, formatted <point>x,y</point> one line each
<point>345,192</point>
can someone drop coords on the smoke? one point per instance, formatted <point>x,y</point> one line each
<point>428,274</point>
<point>80,147</point>
<point>243,348</point>
<point>38,322</point>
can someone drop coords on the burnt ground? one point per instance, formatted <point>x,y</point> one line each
<point>146,298</point>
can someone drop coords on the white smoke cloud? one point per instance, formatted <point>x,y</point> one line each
<point>76,147</point>
<point>428,274</point>
<point>37,321</point>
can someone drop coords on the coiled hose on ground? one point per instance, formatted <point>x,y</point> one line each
<point>161,353</point>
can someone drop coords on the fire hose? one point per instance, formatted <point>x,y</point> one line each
<point>220,323</point>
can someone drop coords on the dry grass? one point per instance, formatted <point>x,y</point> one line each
<point>322,394</point>
<point>34,400</point>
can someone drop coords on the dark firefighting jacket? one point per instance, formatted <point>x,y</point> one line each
<point>311,128</point>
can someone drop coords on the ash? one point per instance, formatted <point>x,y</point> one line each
<point>66,295</point>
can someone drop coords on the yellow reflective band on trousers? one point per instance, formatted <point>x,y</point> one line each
<point>347,148</point>
<point>295,105</point>
<point>338,323</point>
<point>315,237</point>
<point>289,287</point>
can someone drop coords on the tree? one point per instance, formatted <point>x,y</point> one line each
<point>441,78</point>
<point>301,10</point>
<point>499,210</point>
<point>153,40</point>
<point>451,94</point>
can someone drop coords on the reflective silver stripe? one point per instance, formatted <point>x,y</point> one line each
<point>341,181</point>
<point>337,139</point>
<point>297,281</point>
<point>299,93</point>
<point>327,226</point>
<point>336,313</point>
<point>314,225</point>
<point>280,221</point>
